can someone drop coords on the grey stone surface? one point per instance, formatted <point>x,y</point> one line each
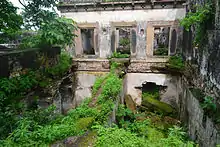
<point>141,40</point>
<point>200,127</point>
<point>134,83</point>
<point>105,41</point>
<point>171,93</point>
<point>84,82</point>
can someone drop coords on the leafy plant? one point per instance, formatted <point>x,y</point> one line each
<point>124,42</point>
<point>59,31</point>
<point>208,104</point>
<point>199,19</point>
<point>111,137</point>
<point>154,95</point>
<point>62,67</point>
<point>176,62</point>
<point>10,22</point>
<point>37,12</point>
<point>119,55</point>
<point>161,52</point>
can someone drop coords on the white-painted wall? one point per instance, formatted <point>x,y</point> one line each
<point>104,17</point>
<point>133,80</point>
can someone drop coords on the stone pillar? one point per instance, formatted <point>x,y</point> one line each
<point>78,43</point>
<point>141,40</point>
<point>173,42</point>
<point>96,40</point>
<point>150,40</point>
<point>133,42</point>
<point>117,38</point>
<point>105,40</point>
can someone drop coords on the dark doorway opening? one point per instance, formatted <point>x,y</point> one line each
<point>87,37</point>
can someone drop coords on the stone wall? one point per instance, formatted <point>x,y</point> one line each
<point>14,61</point>
<point>200,127</point>
<point>204,64</point>
<point>133,86</point>
<point>83,84</point>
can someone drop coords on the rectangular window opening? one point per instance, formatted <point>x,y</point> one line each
<point>87,37</point>
<point>161,41</point>
<point>123,40</point>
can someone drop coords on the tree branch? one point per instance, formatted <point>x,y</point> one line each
<point>23,4</point>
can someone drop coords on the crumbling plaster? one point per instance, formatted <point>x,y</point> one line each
<point>104,26</point>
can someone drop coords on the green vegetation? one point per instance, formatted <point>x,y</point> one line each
<point>56,32</point>
<point>151,95</point>
<point>61,67</point>
<point>119,55</point>
<point>158,106</point>
<point>208,104</point>
<point>43,127</point>
<point>151,101</point>
<point>161,52</point>
<point>201,18</point>
<point>10,22</point>
<point>176,63</point>
<point>125,42</point>
<point>119,137</point>
<point>14,89</point>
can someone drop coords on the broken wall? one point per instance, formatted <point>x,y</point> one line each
<point>138,19</point>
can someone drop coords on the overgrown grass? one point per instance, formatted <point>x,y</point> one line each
<point>111,137</point>
<point>45,127</point>
<point>30,132</point>
<point>176,63</point>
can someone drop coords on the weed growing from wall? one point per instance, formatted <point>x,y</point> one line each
<point>176,63</point>
<point>200,19</point>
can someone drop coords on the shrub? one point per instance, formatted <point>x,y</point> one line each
<point>62,66</point>
<point>112,137</point>
<point>119,55</point>
<point>208,104</point>
<point>176,63</point>
<point>161,52</point>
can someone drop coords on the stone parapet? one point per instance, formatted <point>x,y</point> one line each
<point>135,65</point>
<point>145,66</point>
<point>101,65</point>
<point>81,6</point>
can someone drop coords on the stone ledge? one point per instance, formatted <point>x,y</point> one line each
<point>112,6</point>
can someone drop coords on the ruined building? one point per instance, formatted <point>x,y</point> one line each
<point>106,25</point>
<point>148,31</point>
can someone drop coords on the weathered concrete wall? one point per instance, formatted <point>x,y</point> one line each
<point>200,127</point>
<point>13,62</point>
<point>133,84</point>
<point>105,17</point>
<point>82,86</point>
<point>102,22</point>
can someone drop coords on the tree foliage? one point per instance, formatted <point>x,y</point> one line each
<point>37,12</point>
<point>51,29</point>
<point>10,21</point>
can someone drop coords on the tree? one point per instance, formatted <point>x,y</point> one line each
<point>51,29</point>
<point>10,21</point>
<point>37,12</point>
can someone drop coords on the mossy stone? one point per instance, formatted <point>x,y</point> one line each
<point>130,103</point>
<point>84,123</point>
<point>157,105</point>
